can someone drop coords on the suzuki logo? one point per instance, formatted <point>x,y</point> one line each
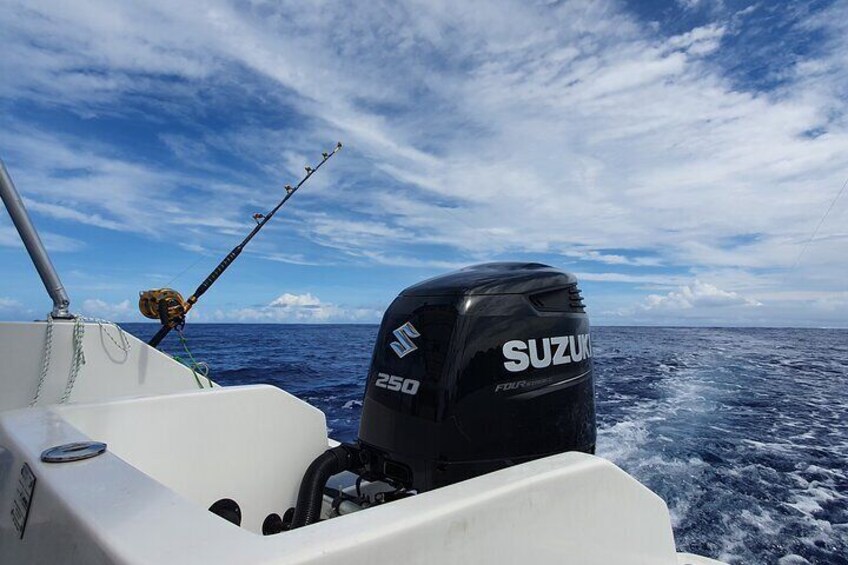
<point>404,345</point>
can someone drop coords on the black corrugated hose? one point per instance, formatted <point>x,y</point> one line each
<point>310,497</point>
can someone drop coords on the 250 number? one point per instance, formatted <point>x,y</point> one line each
<point>396,383</point>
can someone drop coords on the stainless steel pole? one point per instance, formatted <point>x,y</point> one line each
<point>33,244</point>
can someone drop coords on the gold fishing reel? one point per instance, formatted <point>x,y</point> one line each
<point>163,304</point>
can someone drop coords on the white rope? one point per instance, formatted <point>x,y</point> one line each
<point>77,354</point>
<point>45,365</point>
<point>77,359</point>
<point>122,336</point>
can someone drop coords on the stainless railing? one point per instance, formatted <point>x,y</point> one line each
<point>33,245</point>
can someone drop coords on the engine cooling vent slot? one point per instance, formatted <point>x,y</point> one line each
<point>566,299</point>
<point>398,472</point>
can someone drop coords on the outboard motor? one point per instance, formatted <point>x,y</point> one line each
<point>473,371</point>
<point>477,370</point>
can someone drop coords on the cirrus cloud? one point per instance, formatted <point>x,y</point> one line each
<point>571,131</point>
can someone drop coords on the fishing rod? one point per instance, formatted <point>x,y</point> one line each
<point>169,307</point>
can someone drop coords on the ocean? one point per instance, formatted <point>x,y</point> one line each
<point>744,432</point>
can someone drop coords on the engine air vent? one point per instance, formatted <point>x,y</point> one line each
<point>566,299</point>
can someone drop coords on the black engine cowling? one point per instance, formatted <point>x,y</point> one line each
<point>477,370</point>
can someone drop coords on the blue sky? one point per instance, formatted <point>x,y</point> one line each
<point>677,156</point>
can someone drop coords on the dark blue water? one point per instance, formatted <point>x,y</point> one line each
<point>744,432</point>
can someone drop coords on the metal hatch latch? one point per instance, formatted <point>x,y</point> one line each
<point>76,451</point>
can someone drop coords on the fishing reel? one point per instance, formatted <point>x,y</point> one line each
<point>163,304</point>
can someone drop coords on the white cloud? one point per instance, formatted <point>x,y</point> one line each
<point>700,41</point>
<point>192,247</point>
<point>13,309</point>
<point>659,279</point>
<point>612,258</point>
<point>298,308</point>
<point>66,213</point>
<point>291,258</point>
<point>83,181</point>
<point>696,295</point>
<point>54,242</point>
<point>513,128</point>
<point>288,300</point>
<point>9,303</point>
<point>117,312</point>
<point>401,261</point>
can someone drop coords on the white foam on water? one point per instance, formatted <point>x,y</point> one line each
<point>762,521</point>
<point>792,559</point>
<point>621,442</point>
<point>733,544</point>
